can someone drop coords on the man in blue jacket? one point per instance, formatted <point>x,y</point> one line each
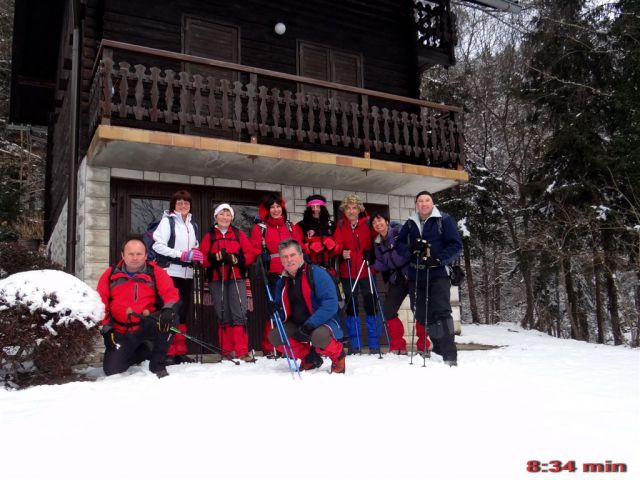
<point>431,241</point>
<point>307,295</point>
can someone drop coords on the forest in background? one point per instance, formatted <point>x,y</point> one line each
<point>552,134</point>
<point>552,129</point>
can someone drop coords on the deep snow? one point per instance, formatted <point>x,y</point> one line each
<point>537,398</point>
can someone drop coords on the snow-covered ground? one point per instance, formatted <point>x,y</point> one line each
<point>537,398</point>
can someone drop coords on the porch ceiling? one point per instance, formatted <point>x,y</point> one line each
<point>203,156</point>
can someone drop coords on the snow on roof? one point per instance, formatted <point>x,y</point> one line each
<point>74,299</point>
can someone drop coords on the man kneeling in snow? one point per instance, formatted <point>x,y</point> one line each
<point>131,291</point>
<point>308,297</point>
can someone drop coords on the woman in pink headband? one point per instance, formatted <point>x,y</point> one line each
<point>316,229</point>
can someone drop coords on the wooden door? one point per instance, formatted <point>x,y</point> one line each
<point>135,204</point>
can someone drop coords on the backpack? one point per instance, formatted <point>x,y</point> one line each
<point>312,283</point>
<point>152,274</point>
<point>162,260</point>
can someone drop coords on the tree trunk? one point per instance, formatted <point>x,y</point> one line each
<point>612,288</point>
<point>487,288</point>
<point>471,287</point>
<point>572,300</point>
<point>497,287</point>
<point>597,271</point>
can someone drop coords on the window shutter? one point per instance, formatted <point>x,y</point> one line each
<point>211,40</point>
<point>314,63</point>
<point>347,70</point>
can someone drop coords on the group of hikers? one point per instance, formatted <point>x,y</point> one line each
<point>309,268</point>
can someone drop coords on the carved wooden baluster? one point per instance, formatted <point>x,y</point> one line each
<point>387,130</point>
<point>346,139</point>
<point>237,106</point>
<point>452,142</point>
<point>225,121</point>
<point>106,102</point>
<point>197,101</point>
<point>287,115</point>
<point>424,121</point>
<point>252,124</point>
<point>322,111</point>
<point>396,132</point>
<point>434,138</point>
<point>405,133</point>
<point>311,118</point>
<point>169,76</point>
<point>264,113</point>
<point>414,134</point>
<point>375,119</point>
<point>443,139</point>
<point>300,102</point>
<point>212,119</point>
<point>124,88</point>
<point>275,112</point>
<point>333,121</point>
<point>365,123</point>
<point>459,142</point>
<point>138,110</point>
<point>185,99</point>
<point>355,124</point>
<point>155,94</point>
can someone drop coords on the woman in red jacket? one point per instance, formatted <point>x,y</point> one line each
<point>266,235</point>
<point>228,253</point>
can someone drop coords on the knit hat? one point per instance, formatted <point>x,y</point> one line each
<point>223,206</point>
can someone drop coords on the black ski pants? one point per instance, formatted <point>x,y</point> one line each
<point>439,321</point>
<point>367,296</point>
<point>146,343</point>
<point>185,288</point>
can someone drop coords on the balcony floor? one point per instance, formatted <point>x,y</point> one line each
<point>130,148</point>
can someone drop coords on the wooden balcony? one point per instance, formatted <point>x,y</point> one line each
<point>159,115</point>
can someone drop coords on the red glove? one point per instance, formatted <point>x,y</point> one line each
<point>316,247</point>
<point>329,243</point>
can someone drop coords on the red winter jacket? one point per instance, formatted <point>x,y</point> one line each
<point>136,292</point>
<point>234,242</point>
<point>276,231</point>
<point>358,240</point>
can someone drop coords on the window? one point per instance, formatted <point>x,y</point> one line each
<point>327,63</point>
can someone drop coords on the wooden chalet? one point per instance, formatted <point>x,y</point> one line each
<point>228,100</point>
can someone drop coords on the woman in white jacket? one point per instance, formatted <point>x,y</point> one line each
<point>179,244</point>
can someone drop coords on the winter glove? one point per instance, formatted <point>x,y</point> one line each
<point>303,334</point>
<point>369,256</point>
<point>421,247</point>
<point>431,262</point>
<point>316,247</point>
<point>109,336</point>
<point>196,256</point>
<point>329,243</point>
<point>167,319</point>
<point>189,256</point>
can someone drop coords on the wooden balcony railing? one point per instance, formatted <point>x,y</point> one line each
<point>416,131</point>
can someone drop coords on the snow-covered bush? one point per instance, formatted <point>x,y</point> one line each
<point>47,324</point>
<point>16,258</point>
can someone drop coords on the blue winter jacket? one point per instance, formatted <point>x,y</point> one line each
<point>441,231</point>
<point>387,257</point>
<point>321,297</point>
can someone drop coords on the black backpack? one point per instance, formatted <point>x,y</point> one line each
<point>162,260</point>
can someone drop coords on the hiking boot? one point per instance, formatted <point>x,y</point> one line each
<point>374,351</point>
<point>339,365</point>
<point>160,372</point>
<point>248,358</point>
<point>451,363</point>
<point>271,355</point>
<point>354,351</point>
<point>424,354</point>
<point>401,352</point>
<point>311,361</point>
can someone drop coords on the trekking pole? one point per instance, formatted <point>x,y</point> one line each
<point>348,298</point>
<point>374,305</point>
<point>375,292</point>
<point>223,353</point>
<point>275,318</point>
<point>353,302</point>
<point>415,307</point>
<point>426,316</point>
<point>197,304</point>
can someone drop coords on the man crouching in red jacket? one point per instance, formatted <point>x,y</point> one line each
<point>131,291</point>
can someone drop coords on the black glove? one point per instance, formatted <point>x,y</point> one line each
<point>167,319</point>
<point>213,259</point>
<point>420,247</point>
<point>431,262</point>
<point>108,335</point>
<point>369,256</point>
<point>303,334</point>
